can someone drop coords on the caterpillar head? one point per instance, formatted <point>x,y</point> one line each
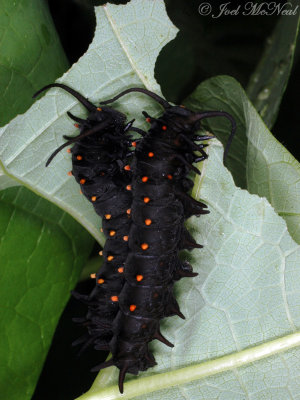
<point>104,113</point>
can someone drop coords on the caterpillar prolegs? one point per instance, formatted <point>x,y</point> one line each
<point>159,204</point>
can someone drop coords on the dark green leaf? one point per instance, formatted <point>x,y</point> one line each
<point>30,54</point>
<point>42,253</point>
<point>224,93</point>
<point>270,78</point>
<point>256,159</point>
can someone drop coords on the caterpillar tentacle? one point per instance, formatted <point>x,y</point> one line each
<point>211,114</point>
<point>85,102</point>
<point>154,96</point>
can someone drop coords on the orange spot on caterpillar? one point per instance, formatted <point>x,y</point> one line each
<point>139,278</point>
<point>76,125</point>
<point>82,181</point>
<point>127,167</point>
<point>128,187</point>
<point>169,176</point>
<point>100,253</point>
<point>145,179</point>
<point>146,199</point>
<point>148,221</point>
<point>128,211</point>
<point>70,173</point>
<point>133,144</point>
<point>107,216</point>
<point>93,198</point>
<point>150,154</point>
<point>125,238</point>
<point>121,270</point>
<point>148,119</point>
<point>144,246</point>
<point>93,276</point>
<point>164,128</point>
<point>68,150</point>
<point>132,307</point>
<point>182,106</point>
<point>110,258</point>
<point>99,109</point>
<point>114,298</point>
<point>79,158</point>
<point>100,281</point>
<point>101,229</point>
<point>112,233</point>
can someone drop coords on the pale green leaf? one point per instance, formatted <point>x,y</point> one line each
<point>6,181</point>
<point>245,305</point>
<point>127,42</point>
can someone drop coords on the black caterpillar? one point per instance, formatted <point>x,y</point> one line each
<point>99,166</point>
<point>160,205</point>
<point>162,161</point>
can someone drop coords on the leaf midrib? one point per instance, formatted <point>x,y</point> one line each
<point>160,381</point>
<point>122,44</point>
